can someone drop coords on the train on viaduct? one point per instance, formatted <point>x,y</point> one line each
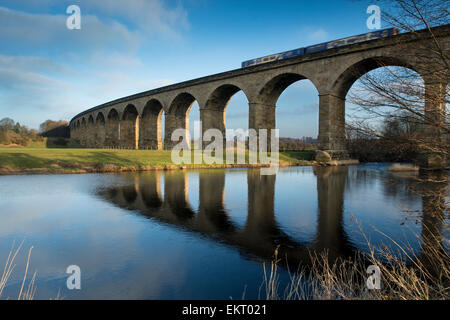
<point>134,122</point>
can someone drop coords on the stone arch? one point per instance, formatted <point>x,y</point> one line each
<point>129,128</point>
<point>181,104</point>
<point>100,130</point>
<point>272,89</point>
<point>213,115</point>
<point>177,117</point>
<point>342,84</point>
<point>150,127</point>
<point>263,108</point>
<point>76,132</point>
<point>221,95</point>
<point>112,138</point>
<point>332,136</point>
<point>83,132</point>
<point>90,131</point>
<point>73,129</point>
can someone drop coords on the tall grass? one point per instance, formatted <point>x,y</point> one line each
<point>27,291</point>
<point>404,274</point>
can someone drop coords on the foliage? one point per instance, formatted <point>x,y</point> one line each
<point>412,107</point>
<point>50,125</point>
<point>395,144</point>
<point>292,144</point>
<point>12,133</point>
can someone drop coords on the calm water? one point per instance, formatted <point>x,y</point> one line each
<point>199,234</point>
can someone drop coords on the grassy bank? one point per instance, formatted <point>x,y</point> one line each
<point>66,160</point>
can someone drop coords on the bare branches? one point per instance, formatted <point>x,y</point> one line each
<point>399,105</point>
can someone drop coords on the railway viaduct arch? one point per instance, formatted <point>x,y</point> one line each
<point>134,122</point>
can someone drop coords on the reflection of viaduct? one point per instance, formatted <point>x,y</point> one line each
<point>135,121</point>
<point>261,233</point>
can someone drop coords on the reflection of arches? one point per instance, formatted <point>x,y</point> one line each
<point>176,194</point>
<point>260,237</point>
<point>112,129</point>
<point>330,193</point>
<point>150,126</point>
<point>178,118</point>
<point>100,130</point>
<point>261,210</point>
<point>129,128</point>
<point>212,196</point>
<point>434,191</point>
<point>150,190</point>
<point>130,194</point>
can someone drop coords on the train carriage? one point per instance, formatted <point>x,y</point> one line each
<point>322,47</point>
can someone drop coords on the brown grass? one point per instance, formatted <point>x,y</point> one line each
<point>403,277</point>
<point>27,291</point>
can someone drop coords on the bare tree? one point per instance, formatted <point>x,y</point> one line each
<point>409,109</point>
<point>401,96</point>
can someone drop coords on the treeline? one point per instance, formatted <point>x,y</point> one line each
<point>13,133</point>
<point>399,140</point>
<point>54,129</point>
<point>294,144</point>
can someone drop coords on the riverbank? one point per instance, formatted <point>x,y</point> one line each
<point>73,161</point>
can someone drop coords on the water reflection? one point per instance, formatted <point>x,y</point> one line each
<point>331,235</point>
<point>203,234</point>
<point>258,237</point>
<point>262,233</point>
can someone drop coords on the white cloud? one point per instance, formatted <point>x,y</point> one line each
<point>46,33</point>
<point>319,35</point>
<point>60,72</point>
<point>150,16</point>
<point>102,21</point>
<point>34,64</point>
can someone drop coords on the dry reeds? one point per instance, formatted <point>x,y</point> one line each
<point>405,275</point>
<point>27,291</point>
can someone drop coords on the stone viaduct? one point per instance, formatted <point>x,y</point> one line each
<point>134,122</point>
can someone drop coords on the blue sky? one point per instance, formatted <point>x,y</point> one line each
<point>125,47</point>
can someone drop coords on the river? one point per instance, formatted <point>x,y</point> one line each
<point>200,234</point>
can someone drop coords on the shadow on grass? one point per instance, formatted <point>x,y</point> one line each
<point>90,159</point>
<point>108,158</point>
<point>70,159</point>
<point>23,160</point>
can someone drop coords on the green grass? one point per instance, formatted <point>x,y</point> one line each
<point>68,160</point>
